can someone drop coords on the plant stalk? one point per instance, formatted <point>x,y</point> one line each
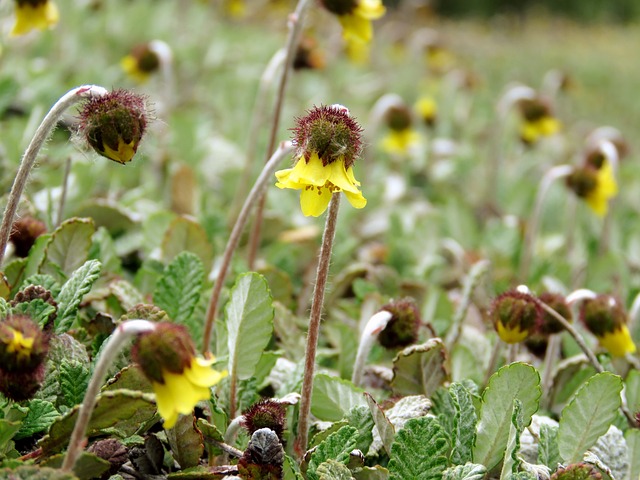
<point>121,334</point>
<point>31,154</point>
<point>300,445</point>
<point>283,150</point>
<point>374,326</point>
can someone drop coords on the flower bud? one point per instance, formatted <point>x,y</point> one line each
<point>113,124</point>
<point>427,110</point>
<point>549,324</point>
<point>402,329</point>
<point>605,317</point>
<point>515,315</point>
<point>33,292</point>
<point>264,456</point>
<point>398,117</point>
<point>24,233</point>
<point>265,413</point>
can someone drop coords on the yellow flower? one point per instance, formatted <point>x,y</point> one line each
<point>20,344</point>
<point>400,141</point>
<point>515,315</point>
<point>511,334</point>
<point>618,343</point>
<point>605,189</point>
<point>180,392</point>
<point>132,68</point>
<point>235,8</point>
<point>318,182</point>
<point>355,16</point>
<point>532,130</point>
<point>427,109</point>
<point>34,14</point>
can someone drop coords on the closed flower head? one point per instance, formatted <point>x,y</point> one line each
<point>141,62</point>
<point>266,413</point>
<point>401,136</point>
<point>113,124</point>
<point>402,329</point>
<point>605,317</point>
<point>34,14</point>
<point>355,17</point>
<point>180,380</point>
<point>595,183</point>
<point>515,315</point>
<point>328,141</point>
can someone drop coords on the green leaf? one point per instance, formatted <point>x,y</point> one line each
<point>420,451</point>
<point>290,469</point>
<point>13,276</point>
<point>68,247</point>
<point>37,309</point>
<point>333,470</point>
<point>371,473</point>
<point>41,415</point>
<point>45,281</point>
<point>185,235</point>
<point>72,293</point>
<point>8,429</point>
<point>548,453</point>
<point>249,322</point>
<point>516,381</point>
<point>632,390</point>
<point>464,424</point>
<point>33,472</point>
<point>420,369</point>
<point>87,466</point>
<point>589,415</point>
<point>186,442</point>
<point>468,471</point>
<point>333,397</point>
<point>360,417</point>
<point>128,296</point>
<point>74,378</point>
<point>61,348</point>
<point>511,462</point>
<point>632,436</point>
<point>384,426</point>
<point>36,255</point>
<point>179,289</point>
<point>336,447</point>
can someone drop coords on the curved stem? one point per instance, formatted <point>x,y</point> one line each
<point>30,155</point>
<point>532,229</point>
<point>374,326</point>
<point>296,20</point>
<point>121,334</point>
<point>300,445</point>
<point>231,434</point>
<point>283,150</point>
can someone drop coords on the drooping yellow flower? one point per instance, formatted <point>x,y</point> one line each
<point>618,343</point>
<point>328,142</point>
<point>180,392</point>
<point>595,185</point>
<point>515,315</point>
<point>400,141</point>
<point>141,62</point>
<point>34,14</point>
<point>427,109</point>
<point>355,16</point>
<point>605,317</point>
<point>511,334</point>
<point>532,130</point>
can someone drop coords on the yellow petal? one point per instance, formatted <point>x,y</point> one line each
<point>618,343</point>
<point>356,26</point>
<point>605,189</point>
<point>370,9</point>
<point>548,126</point>
<point>399,141</point>
<point>201,373</point>
<point>356,199</point>
<point>352,177</point>
<point>30,17</point>
<point>124,154</point>
<point>338,176</point>
<point>510,335</point>
<point>131,67</point>
<point>314,201</point>
<point>312,172</point>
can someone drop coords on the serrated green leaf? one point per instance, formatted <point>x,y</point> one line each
<point>4,308</point>
<point>420,369</point>
<point>632,436</point>
<point>41,415</point>
<point>249,322</point>
<point>516,381</point>
<point>420,451</point>
<point>333,470</point>
<point>45,281</point>
<point>87,466</point>
<point>186,235</point>
<point>511,462</point>
<point>548,453</point>
<point>336,447</point>
<point>333,397</point>
<point>38,310</point>
<point>178,290</point>
<point>371,473</point>
<point>186,442</point>
<point>464,424</point>
<point>290,469</point>
<point>360,417</point>
<point>72,293</point>
<point>61,348</point>
<point>570,374</point>
<point>589,415</point>
<point>74,378</point>
<point>468,471</point>
<point>68,247</point>
<point>128,295</point>
<point>382,423</point>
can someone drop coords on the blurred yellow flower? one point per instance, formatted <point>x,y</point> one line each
<point>427,109</point>
<point>355,17</point>
<point>20,344</point>
<point>618,343</point>
<point>532,130</point>
<point>400,141</point>
<point>604,189</point>
<point>34,14</point>
<point>511,334</point>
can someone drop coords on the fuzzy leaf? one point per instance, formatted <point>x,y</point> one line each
<point>516,381</point>
<point>249,322</point>
<point>333,397</point>
<point>383,425</point>
<point>420,369</point>
<point>178,291</point>
<point>360,417</point>
<point>37,309</point>
<point>420,451</point>
<point>632,436</point>
<point>41,415</point>
<point>186,442</point>
<point>44,280</point>
<point>336,447</point>
<point>548,453</point>
<point>511,462</point>
<point>332,470</point>
<point>88,465</point>
<point>128,296</point>
<point>74,378</point>
<point>72,293</point>
<point>611,451</point>
<point>68,247</point>
<point>185,235</point>
<point>468,471</point>
<point>589,415</point>
<point>464,424</point>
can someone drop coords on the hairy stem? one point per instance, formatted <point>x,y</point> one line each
<point>118,338</point>
<point>31,154</point>
<point>300,445</point>
<point>283,150</point>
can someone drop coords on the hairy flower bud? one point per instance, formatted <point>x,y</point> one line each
<point>549,325</point>
<point>114,124</point>
<point>265,413</point>
<point>515,315</point>
<point>402,329</point>
<point>605,317</point>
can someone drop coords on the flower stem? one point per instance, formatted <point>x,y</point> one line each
<point>30,155</point>
<point>532,229</point>
<point>296,21</point>
<point>121,334</point>
<point>374,326</point>
<point>322,273</point>
<point>283,150</point>
<point>550,356</point>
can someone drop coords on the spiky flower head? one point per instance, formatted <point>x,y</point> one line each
<point>266,413</point>
<point>605,317</point>
<point>24,233</point>
<point>577,471</point>
<point>402,329</point>
<point>515,315</point>
<point>114,124</point>
<point>330,132</point>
